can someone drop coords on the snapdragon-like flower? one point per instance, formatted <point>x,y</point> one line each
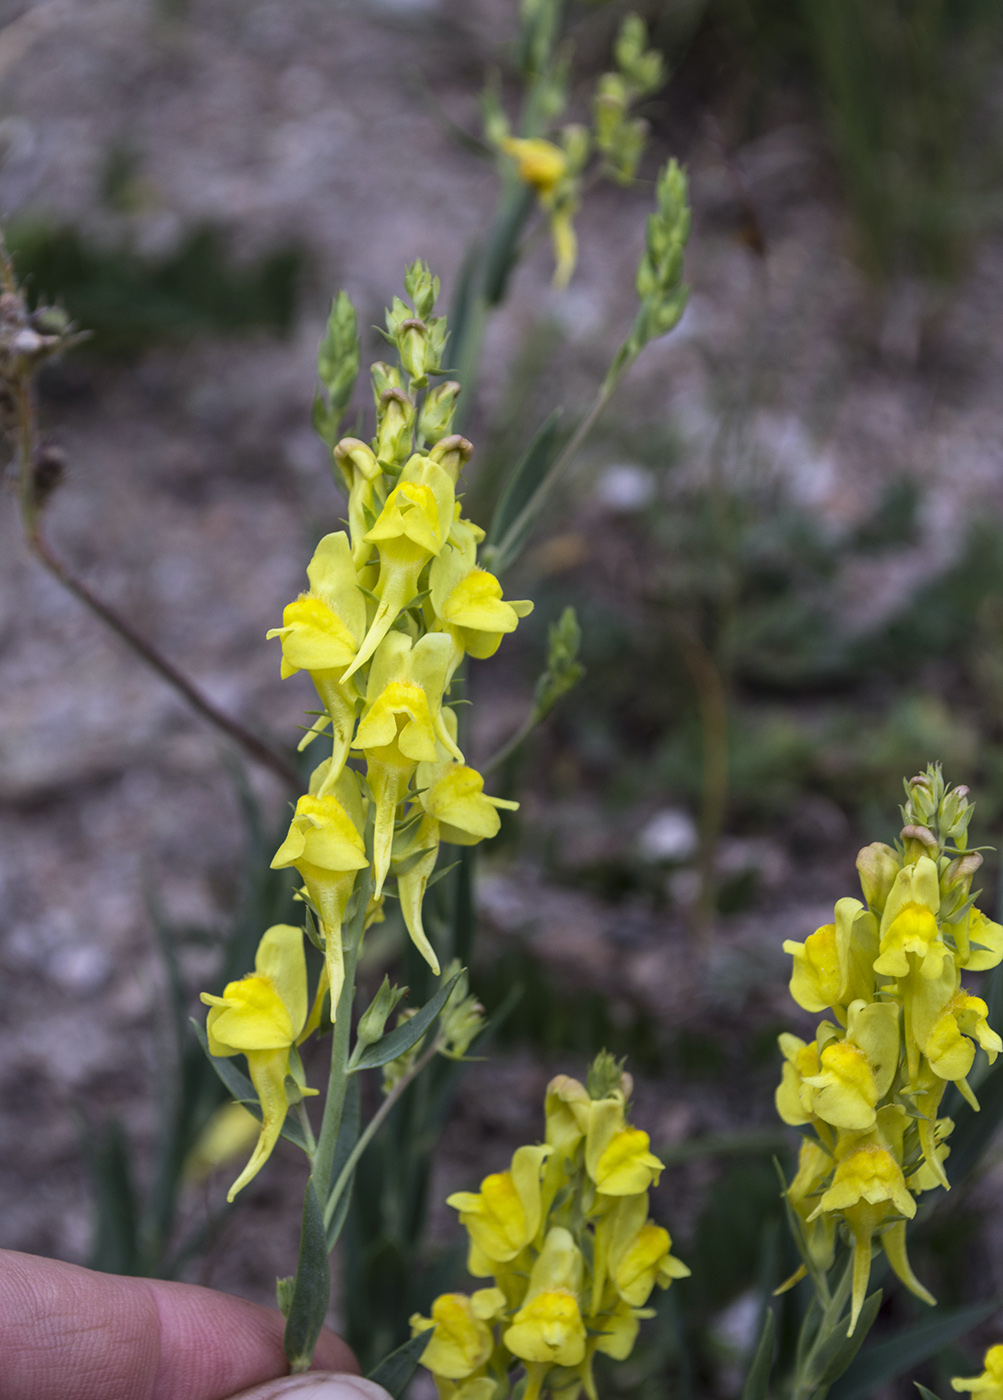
<point>262,1017</point>
<point>573,1261</point>
<point>988,1386</point>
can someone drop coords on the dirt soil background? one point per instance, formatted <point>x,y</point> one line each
<point>195,488</point>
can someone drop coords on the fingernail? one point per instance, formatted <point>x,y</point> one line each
<point>317,1385</point>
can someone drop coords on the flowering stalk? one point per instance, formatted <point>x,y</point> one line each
<point>870,1085</point>
<point>394,605</point>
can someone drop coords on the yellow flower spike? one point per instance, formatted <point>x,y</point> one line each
<point>988,1386</point>
<point>324,844</point>
<point>401,725</point>
<point>261,1017</point>
<point>833,965</point>
<point>462,1342</point>
<point>454,796</point>
<point>411,528</point>
<point>321,632</point>
<point>627,1166</point>
<point>548,1328</point>
<point>800,1062</point>
<point>504,1216</point>
<point>855,1074</point>
<point>909,924</point>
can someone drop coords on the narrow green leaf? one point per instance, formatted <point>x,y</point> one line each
<point>240,1088</point>
<point>757,1384</point>
<point>836,1353</point>
<point>526,477</point>
<point>348,1136</point>
<point>395,1370</point>
<point>441,874</point>
<point>886,1360</point>
<point>926,1394</point>
<point>400,1040</point>
<point>312,1289</point>
<point>115,1245</point>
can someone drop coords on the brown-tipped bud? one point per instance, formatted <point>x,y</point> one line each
<point>437,411</point>
<point>396,419</point>
<point>922,834</point>
<point>412,342</point>
<point>452,453</point>
<point>960,871</point>
<point>351,455</point>
<point>877,865</point>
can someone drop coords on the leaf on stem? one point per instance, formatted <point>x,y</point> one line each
<point>837,1351</point>
<point>399,1041</point>
<point>887,1360</point>
<point>312,1288</point>
<point>757,1384</point>
<point>240,1088</point>
<point>348,1136</point>
<point>520,488</point>
<point>395,1370</point>
<point>926,1394</point>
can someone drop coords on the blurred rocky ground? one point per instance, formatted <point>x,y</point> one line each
<point>195,488</point>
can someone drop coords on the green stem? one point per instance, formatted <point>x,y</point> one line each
<point>337,1084</point>
<point>571,449</point>
<point>805,1385</point>
<point>372,1128</point>
<point>509,747</point>
<point>304,1121</point>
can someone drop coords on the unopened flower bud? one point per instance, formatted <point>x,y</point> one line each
<point>436,417</point>
<point>412,342</point>
<point>452,453</point>
<point>606,1077</point>
<point>421,287</point>
<point>960,871</point>
<point>374,1019</point>
<point>877,866</point>
<point>393,441</point>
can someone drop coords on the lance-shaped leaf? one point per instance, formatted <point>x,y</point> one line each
<point>835,1354</point>
<point>757,1384</point>
<point>399,1041</point>
<point>884,1362</point>
<point>395,1370</point>
<point>348,1136</point>
<point>240,1088</point>
<point>926,1394</point>
<point>312,1288</point>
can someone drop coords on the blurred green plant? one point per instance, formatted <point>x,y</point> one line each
<point>129,301</point>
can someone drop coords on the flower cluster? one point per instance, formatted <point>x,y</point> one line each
<point>554,169</point>
<point>871,1082</point>
<point>565,1238</point>
<point>393,607</point>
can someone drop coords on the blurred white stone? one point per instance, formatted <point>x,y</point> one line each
<point>671,834</point>
<point>625,487</point>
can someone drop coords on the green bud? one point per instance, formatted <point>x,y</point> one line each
<point>383,377</point>
<point>337,367</point>
<point>960,872</point>
<point>609,110</point>
<point>422,288</point>
<point>462,1018</point>
<point>399,311</point>
<point>377,1013</point>
<point>396,423</point>
<point>564,670</point>
<point>412,342</point>
<point>877,866</point>
<point>576,143</point>
<point>627,149</point>
<point>606,1077</point>
<point>438,334</point>
<point>436,418</point>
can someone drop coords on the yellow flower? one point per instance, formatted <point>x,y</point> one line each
<point>401,725</point>
<point>229,1133</point>
<point>325,845</point>
<point>548,1328</point>
<point>639,1251</point>
<point>800,1061</point>
<point>462,1341</point>
<point>363,478</point>
<point>261,1017</point>
<point>504,1216</point>
<point>988,1386</point>
<point>855,1073</point>
<point>909,925</point>
<point>409,530</point>
<point>321,632</point>
<point>467,601</point>
<point>833,965</point>
<point>545,166</point>
<point>983,942</point>
<point>945,1021</point>
<point>617,1157</point>
<point>458,811</point>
